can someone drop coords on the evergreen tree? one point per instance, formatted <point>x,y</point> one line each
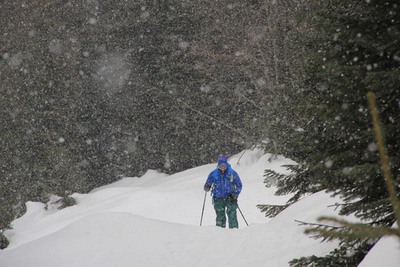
<point>354,49</point>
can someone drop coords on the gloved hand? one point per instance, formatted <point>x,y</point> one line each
<point>207,187</point>
<point>233,198</point>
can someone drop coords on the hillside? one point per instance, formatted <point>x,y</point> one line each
<point>154,221</point>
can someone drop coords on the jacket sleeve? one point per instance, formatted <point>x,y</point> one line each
<point>210,179</point>
<point>238,184</point>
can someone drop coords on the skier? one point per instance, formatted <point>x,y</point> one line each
<point>226,187</point>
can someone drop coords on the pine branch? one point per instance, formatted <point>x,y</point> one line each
<point>384,157</point>
<point>349,254</point>
<point>271,210</point>
<point>337,205</point>
<point>296,183</point>
<point>352,231</point>
<point>272,177</point>
<point>318,229</point>
<point>319,225</point>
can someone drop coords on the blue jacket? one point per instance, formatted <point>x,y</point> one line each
<point>225,184</point>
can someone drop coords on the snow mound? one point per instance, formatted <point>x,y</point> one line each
<point>123,239</point>
<point>154,221</point>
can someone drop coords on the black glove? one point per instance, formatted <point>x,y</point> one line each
<point>233,198</point>
<point>207,187</point>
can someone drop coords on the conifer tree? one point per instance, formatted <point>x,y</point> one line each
<point>353,49</point>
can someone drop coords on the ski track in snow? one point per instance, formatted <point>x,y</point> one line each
<point>154,221</point>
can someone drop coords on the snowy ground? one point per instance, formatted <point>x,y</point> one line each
<point>154,221</point>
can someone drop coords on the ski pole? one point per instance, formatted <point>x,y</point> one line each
<point>204,203</point>
<point>242,215</point>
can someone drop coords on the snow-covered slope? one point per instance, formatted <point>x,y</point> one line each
<point>154,221</point>
<point>385,253</point>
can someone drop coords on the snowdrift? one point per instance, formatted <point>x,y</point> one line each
<point>154,221</point>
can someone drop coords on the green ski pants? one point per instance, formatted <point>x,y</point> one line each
<point>223,206</point>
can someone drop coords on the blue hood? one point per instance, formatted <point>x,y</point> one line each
<point>222,160</point>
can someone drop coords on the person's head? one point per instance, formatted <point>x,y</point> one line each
<point>222,164</point>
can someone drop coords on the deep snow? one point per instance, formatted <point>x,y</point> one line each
<point>154,221</point>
